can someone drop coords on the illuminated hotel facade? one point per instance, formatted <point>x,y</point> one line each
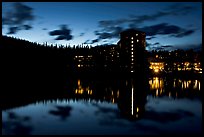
<point>130,57</point>
<point>132,51</point>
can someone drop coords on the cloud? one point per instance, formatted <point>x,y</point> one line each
<point>81,34</point>
<point>157,43</point>
<point>167,46</point>
<point>173,10</point>
<point>111,28</point>
<point>63,33</point>
<point>13,30</point>
<point>27,27</point>
<point>17,18</point>
<point>185,33</point>
<point>106,34</point>
<point>166,29</point>
<point>158,46</point>
<point>91,41</point>
<point>149,38</point>
<point>135,20</point>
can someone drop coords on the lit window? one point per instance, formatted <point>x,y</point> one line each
<point>131,37</point>
<point>131,52</point>
<point>132,45</point>
<point>132,59</point>
<point>79,66</point>
<point>132,71</point>
<point>131,41</point>
<point>131,48</point>
<point>131,55</point>
<point>136,34</point>
<point>137,40</point>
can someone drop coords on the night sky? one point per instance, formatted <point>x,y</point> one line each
<point>168,25</point>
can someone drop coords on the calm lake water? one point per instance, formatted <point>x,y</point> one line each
<point>157,106</point>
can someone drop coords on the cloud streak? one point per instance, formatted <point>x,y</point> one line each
<point>17,18</point>
<point>109,29</point>
<point>166,29</point>
<point>63,33</point>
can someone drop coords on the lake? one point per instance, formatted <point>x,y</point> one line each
<point>156,106</point>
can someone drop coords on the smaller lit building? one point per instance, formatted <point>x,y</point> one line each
<point>83,62</point>
<point>197,67</point>
<point>157,66</point>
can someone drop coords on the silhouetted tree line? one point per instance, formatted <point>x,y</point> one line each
<point>32,57</point>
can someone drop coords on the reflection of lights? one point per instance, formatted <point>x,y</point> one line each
<point>157,92</point>
<point>78,82</point>
<point>136,115</point>
<point>117,93</point>
<point>137,109</point>
<point>113,100</point>
<point>132,100</point>
<point>81,90</point>
<point>199,85</point>
<point>161,91</point>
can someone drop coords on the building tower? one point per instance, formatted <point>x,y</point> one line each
<point>132,51</point>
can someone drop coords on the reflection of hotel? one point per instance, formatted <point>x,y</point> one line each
<point>132,98</point>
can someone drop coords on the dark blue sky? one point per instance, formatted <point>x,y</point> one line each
<point>168,25</point>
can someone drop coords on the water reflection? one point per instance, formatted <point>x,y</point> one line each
<point>175,88</point>
<point>116,104</point>
<point>132,98</point>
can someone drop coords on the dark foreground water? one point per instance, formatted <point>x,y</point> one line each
<point>159,106</point>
